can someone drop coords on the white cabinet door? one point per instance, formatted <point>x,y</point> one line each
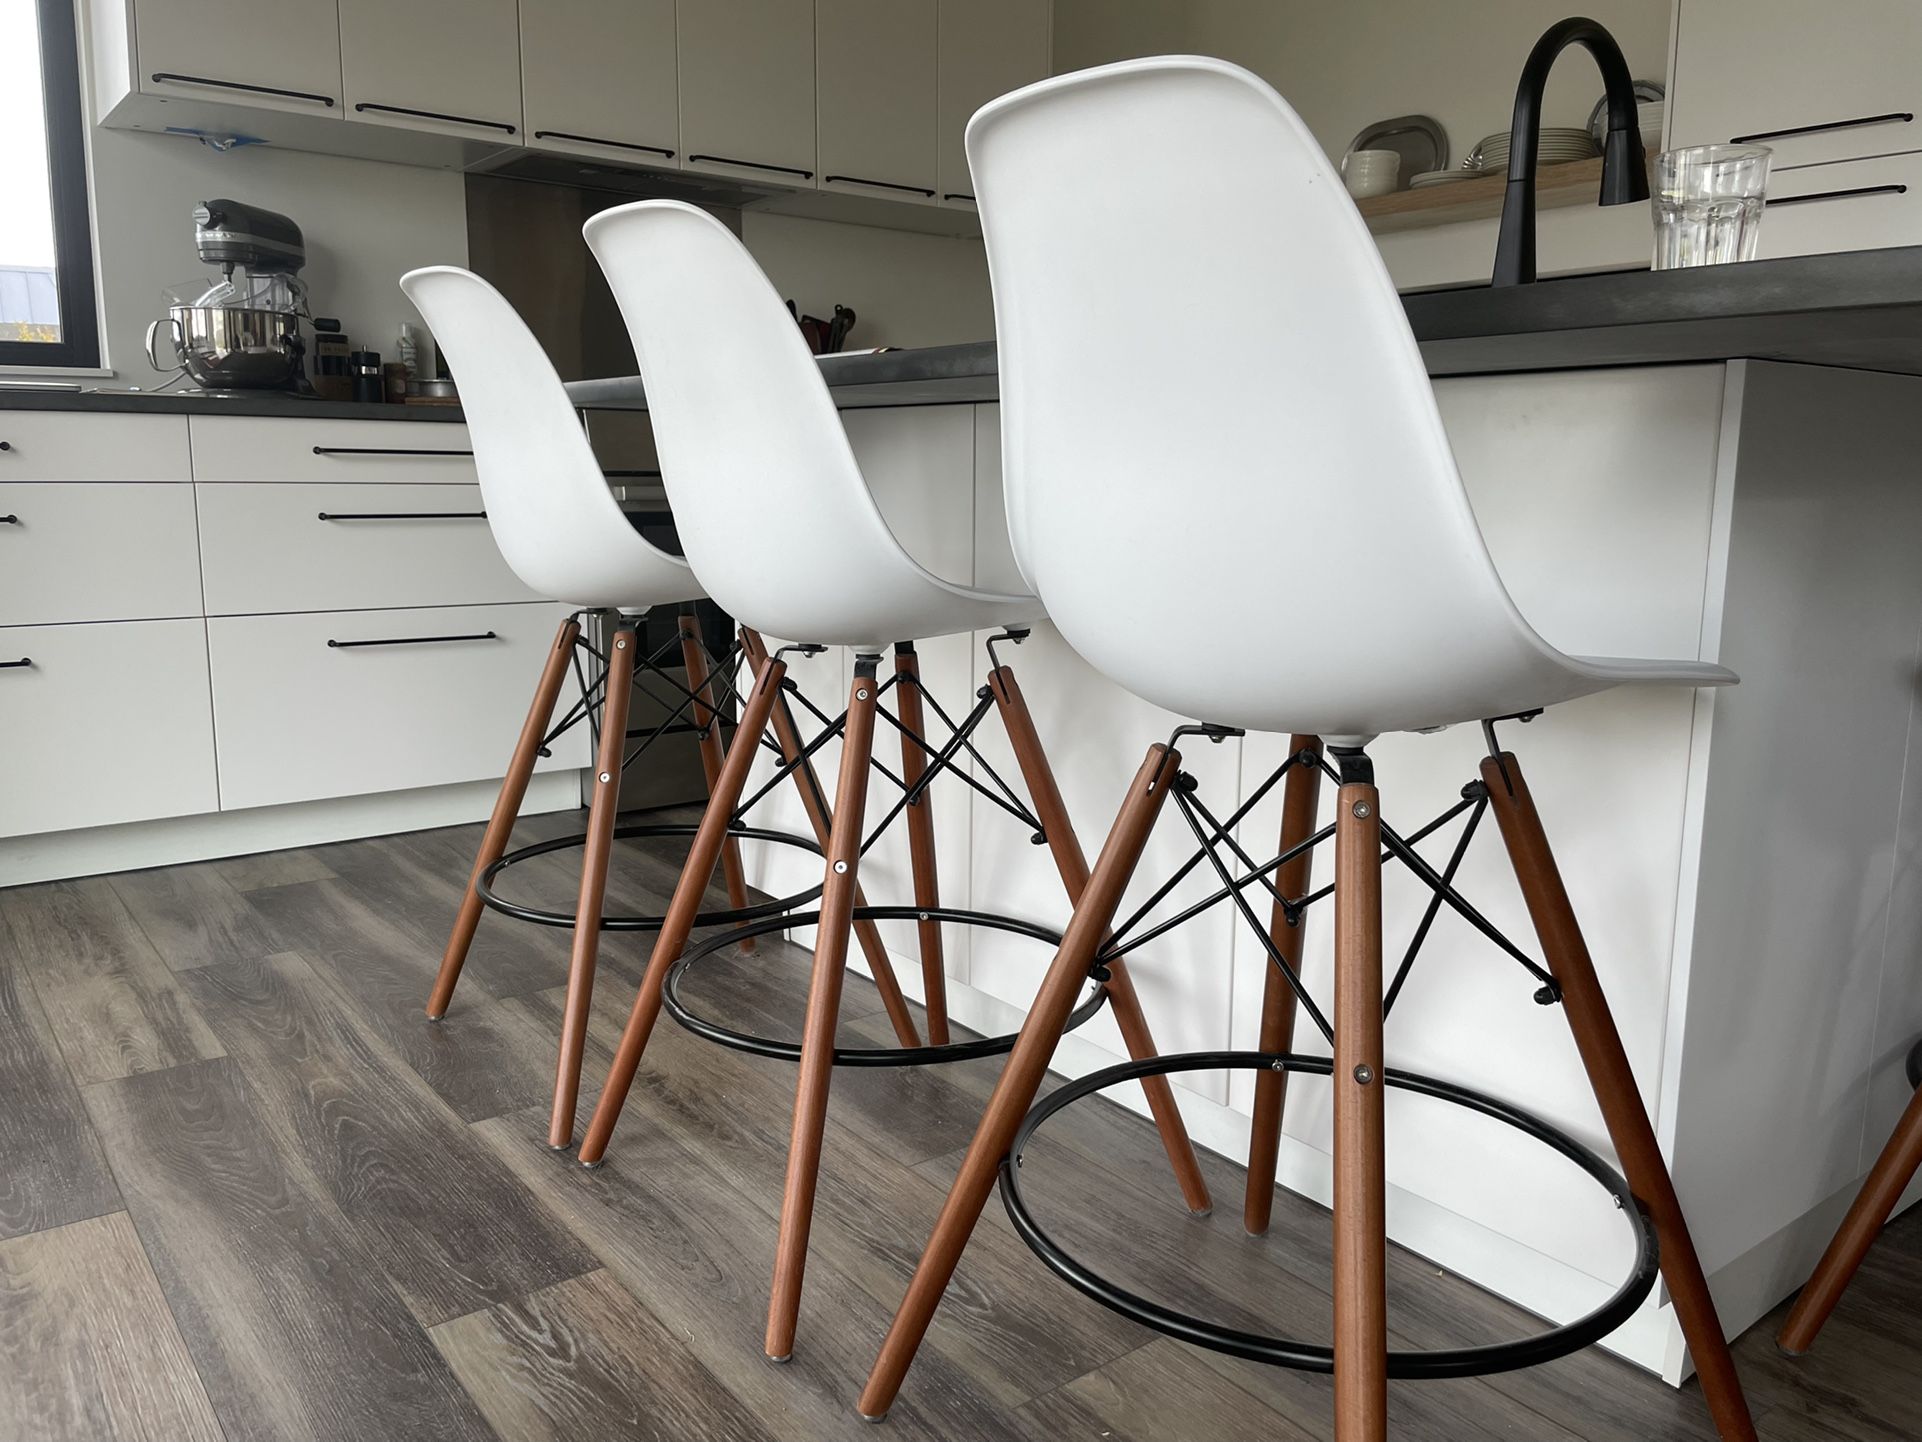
<point>1849,205</point>
<point>598,77</point>
<point>94,446</point>
<point>1847,76</point>
<point>452,66</point>
<point>986,48</point>
<point>98,551</point>
<point>874,85</point>
<point>747,89</point>
<point>273,448</point>
<point>281,54</point>
<point>109,723</point>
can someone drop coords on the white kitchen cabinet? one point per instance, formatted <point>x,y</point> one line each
<point>985,48</point>
<point>874,84</point>
<point>348,703</point>
<point>451,66</point>
<point>747,89</point>
<point>277,54</point>
<point>108,723</point>
<point>277,449</point>
<point>88,446</point>
<point>102,551</point>
<point>1844,205</point>
<point>600,78</point>
<point>1813,82</point>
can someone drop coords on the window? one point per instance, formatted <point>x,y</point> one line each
<point>46,255</point>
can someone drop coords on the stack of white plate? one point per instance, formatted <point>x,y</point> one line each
<point>1441,177</point>
<point>1559,145</point>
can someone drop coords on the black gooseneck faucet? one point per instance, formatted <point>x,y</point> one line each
<point>1624,167</point>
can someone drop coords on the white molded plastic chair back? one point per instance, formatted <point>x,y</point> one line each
<point>769,502</point>
<point>550,509</point>
<point>1226,477</point>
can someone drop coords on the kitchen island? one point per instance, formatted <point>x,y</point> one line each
<point>1717,464</point>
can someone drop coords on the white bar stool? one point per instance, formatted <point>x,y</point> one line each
<point>562,532</point>
<point>776,516</point>
<point>1278,450</point>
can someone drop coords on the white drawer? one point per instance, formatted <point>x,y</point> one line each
<point>1847,205</point>
<point>265,547</point>
<point>299,719</point>
<point>273,448</point>
<point>115,552</point>
<point>109,723</point>
<point>92,446</point>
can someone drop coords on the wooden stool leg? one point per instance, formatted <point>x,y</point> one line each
<point>823,1011</point>
<point>920,820</point>
<point>1021,1078</point>
<point>603,806</point>
<point>507,807</point>
<point>681,911</point>
<point>1300,798</point>
<point>814,802</point>
<point>694,658</point>
<point>1361,1217</point>
<point>1890,1177</point>
<point>1123,1001</point>
<point>1600,1045</point>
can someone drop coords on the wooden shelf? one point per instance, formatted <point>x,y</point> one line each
<point>1577,182</point>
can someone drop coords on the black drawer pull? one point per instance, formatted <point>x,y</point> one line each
<point>611,144</point>
<point>164,76</point>
<point>1896,116</point>
<point>1775,200</point>
<point>6,445</point>
<point>632,475</point>
<point>500,125</point>
<point>879,184</point>
<point>16,665</point>
<point>381,451</point>
<point>9,519</point>
<point>959,195</point>
<point>415,640</point>
<point>749,165</point>
<point>402,515</point>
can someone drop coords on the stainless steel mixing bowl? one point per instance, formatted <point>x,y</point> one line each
<point>227,348</point>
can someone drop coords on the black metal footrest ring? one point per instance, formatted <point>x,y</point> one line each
<point>1312,1357</point>
<point>540,916</point>
<point>865,1056</point>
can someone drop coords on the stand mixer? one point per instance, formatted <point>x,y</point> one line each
<point>243,332</point>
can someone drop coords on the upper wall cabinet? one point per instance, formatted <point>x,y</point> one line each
<point>747,89</point>
<point>451,66</point>
<point>986,48</point>
<point>874,83</point>
<point>1814,82</point>
<point>277,54</point>
<point>599,78</point>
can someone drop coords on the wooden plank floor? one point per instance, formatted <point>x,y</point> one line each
<point>247,1191</point>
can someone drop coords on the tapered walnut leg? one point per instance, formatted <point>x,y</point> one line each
<point>823,1012</point>
<point>1613,1081</point>
<point>920,819</point>
<point>1021,1078</point>
<point>678,920</point>
<point>604,804</point>
<point>1361,1215</point>
<point>1301,793</point>
<point>1072,864</point>
<point>507,807</point>
<point>1890,1177</point>
<point>814,802</point>
<point>694,658</point>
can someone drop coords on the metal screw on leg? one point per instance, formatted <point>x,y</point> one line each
<point>605,778</point>
<point>1364,1074</point>
<point>1362,810</point>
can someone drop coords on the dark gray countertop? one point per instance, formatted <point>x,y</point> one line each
<point>264,403</point>
<point>1860,309</point>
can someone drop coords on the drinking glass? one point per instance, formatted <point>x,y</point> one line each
<point>1708,204</point>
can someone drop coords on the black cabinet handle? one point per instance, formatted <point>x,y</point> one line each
<point>6,445</point>
<point>500,125</point>
<point>632,475</point>
<point>165,76</point>
<point>750,165</point>
<point>959,195</point>
<point>1902,117</point>
<point>611,144</point>
<point>16,665</point>
<point>9,519</point>
<point>415,640</point>
<point>402,515</point>
<point>879,184</point>
<point>1775,200</point>
<point>382,451</point>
